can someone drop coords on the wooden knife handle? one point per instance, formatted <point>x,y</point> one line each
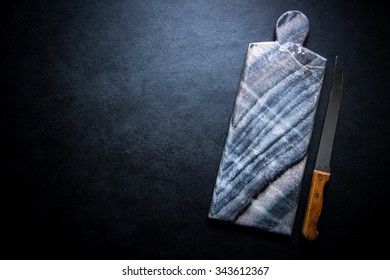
<point>314,204</point>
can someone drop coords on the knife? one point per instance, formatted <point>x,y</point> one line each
<point>321,173</point>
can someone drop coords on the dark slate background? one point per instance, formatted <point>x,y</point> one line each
<point>114,116</point>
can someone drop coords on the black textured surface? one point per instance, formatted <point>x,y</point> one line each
<point>114,115</point>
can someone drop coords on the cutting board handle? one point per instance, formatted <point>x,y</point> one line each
<point>292,26</point>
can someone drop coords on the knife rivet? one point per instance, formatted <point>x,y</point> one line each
<point>316,195</point>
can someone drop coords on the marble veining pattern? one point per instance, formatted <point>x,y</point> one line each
<point>262,165</point>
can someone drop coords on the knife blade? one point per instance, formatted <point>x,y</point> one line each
<point>321,173</point>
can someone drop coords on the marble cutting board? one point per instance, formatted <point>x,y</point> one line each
<point>261,169</point>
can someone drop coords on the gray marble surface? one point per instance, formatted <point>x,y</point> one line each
<point>260,173</point>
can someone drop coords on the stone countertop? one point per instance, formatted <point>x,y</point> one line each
<point>114,117</point>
